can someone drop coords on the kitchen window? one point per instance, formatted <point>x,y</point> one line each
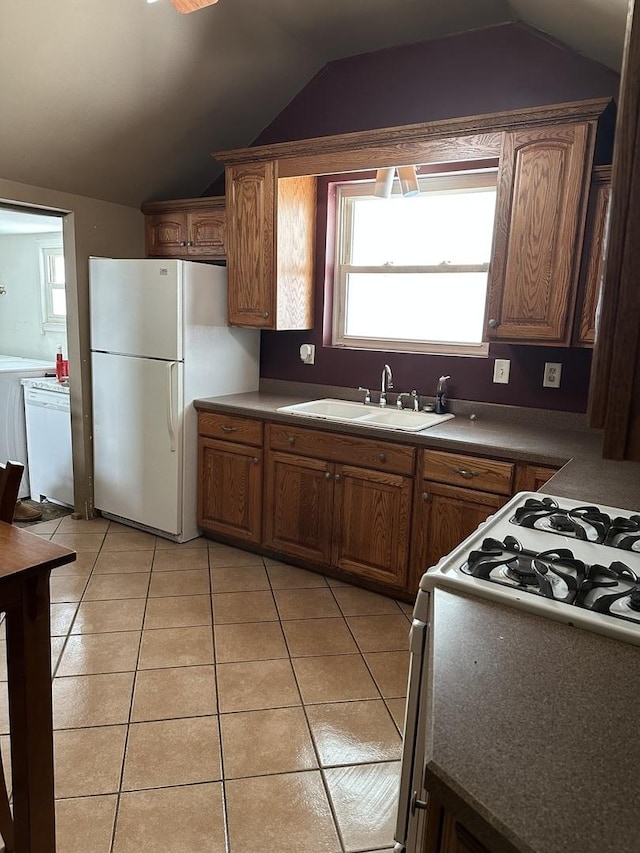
<point>411,272</point>
<point>52,287</point>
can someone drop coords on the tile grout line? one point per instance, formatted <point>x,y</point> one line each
<point>310,730</point>
<point>225,811</point>
<point>116,813</point>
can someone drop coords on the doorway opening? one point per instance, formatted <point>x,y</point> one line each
<point>34,401</point>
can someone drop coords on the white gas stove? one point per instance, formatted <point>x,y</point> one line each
<point>547,555</point>
<point>555,557</point>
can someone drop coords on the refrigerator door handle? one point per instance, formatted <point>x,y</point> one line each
<point>170,421</point>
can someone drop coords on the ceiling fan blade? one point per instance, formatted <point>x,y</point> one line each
<point>185,6</point>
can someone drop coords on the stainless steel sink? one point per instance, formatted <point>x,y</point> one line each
<point>357,413</point>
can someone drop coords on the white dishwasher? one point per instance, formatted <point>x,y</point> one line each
<point>48,419</point>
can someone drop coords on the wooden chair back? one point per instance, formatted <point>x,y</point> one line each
<point>10,476</point>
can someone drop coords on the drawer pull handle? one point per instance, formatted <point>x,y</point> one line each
<point>291,440</point>
<point>255,460</point>
<point>467,473</point>
<point>338,478</point>
<point>327,475</point>
<point>382,457</point>
<point>226,428</point>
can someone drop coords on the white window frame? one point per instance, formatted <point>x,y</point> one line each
<point>345,193</point>
<point>51,322</point>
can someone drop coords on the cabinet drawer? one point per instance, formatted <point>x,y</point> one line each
<point>230,427</point>
<point>487,475</point>
<point>334,447</point>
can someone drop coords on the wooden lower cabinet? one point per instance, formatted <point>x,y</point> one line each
<point>230,489</point>
<point>446,834</point>
<point>354,519</point>
<point>530,478</point>
<point>371,524</point>
<point>299,506</point>
<point>453,514</point>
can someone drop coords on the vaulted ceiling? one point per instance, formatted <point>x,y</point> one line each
<point>124,100</point>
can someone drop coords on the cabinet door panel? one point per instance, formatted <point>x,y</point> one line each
<point>371,524</point>
<point>166,235</point>
<point>538,235</point>
<point>250,244</point>
<point>230,496</point>
<point>452,515</point>
<point>442,517</point>
<point>298,504</point>
<point>594,257</point>
<point>207,233</point>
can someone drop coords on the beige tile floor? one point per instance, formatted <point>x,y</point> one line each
<point>206,699</point>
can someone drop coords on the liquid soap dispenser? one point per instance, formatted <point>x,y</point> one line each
<point>441,395</point>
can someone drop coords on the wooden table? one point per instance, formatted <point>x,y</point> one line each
<point>26,561</point>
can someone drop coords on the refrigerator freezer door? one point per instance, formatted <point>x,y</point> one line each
<point>137,422</point>
<point>136,307</point>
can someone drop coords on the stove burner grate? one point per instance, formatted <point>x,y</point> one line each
<point>587,523</point>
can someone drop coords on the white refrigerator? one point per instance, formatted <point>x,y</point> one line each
<point>159,340</point>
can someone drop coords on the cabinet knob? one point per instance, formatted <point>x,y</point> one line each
<point>382,457</point>
<point>425,496</point>
<point>493,324</point>
<point>327,475</point>
<point>265,315</point>
<point>338,478</point>
<point>183,242</point>
<point>255,460</point>
<point>291,440</point>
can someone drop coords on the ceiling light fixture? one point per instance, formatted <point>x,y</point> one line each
<point>186,6</point>
<point>384,182</point>
<point>408,181</point>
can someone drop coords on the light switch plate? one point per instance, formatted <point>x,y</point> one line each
<point>552,374</point>
<point>501,368</point>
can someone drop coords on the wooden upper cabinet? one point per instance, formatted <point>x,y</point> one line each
<point>593,257</point>
<point>166,234</point>
<point>271,228</point>
<point>539,228</point>
<point>251,223</point>
<point>186,228</point>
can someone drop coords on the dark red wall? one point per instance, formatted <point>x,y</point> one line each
<point>500,68</point>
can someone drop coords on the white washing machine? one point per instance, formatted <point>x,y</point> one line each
<point>48,419</point>
<point>13,437</point>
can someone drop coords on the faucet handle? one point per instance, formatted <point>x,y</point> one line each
<point>441,384</point>
<point>416,400</point>
<point>367,394</point>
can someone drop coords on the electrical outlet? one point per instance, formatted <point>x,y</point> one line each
<point>308,353</point>
<point>501,368</point>
<point>552,374</point>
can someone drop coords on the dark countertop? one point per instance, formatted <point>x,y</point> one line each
<point>543,438</point>
<point>542,747</point>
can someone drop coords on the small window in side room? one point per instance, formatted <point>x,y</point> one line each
<point>411,271</point>
<point>52,286</point>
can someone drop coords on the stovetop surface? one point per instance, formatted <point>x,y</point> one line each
<point>555,557</point>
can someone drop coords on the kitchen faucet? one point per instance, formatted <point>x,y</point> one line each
<point>386,383</point>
